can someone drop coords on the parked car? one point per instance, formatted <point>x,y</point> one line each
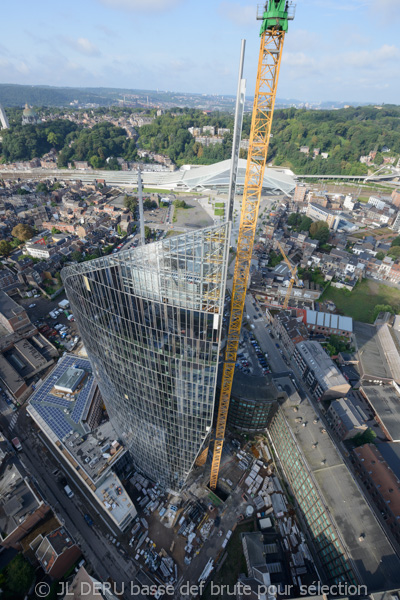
<point>88,520</point>
<point>32,306</point>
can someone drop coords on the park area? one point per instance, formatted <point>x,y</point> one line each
<point>361,302</point>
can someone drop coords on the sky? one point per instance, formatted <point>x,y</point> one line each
<point>335,50</point>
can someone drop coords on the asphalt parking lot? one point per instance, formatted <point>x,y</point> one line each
<point>39,315</point>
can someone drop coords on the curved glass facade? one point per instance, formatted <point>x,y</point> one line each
<point>150,319</point>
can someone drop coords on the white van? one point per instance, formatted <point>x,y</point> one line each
<point>68,491</point>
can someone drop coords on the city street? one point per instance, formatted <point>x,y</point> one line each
<point>38,462</point>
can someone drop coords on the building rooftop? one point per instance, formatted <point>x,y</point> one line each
<point>391,453</point>
<point>348,413</point>
<point>52,546</point>
<point>374,363</point>
<point>321,364</point>
<point>8,307</point>
<point>115,499</point>
<point>93,588</point>
<point>17,499</point>
<point>385,401</point>
<point>70,379</point>
<point>62,414</point>
<point>9,376</point>
<point>373,558</point>
<point>330,320</point>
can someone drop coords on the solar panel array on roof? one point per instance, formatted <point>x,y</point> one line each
<point>55,420</point>
<point>80,403</point>
<point>52,408</point>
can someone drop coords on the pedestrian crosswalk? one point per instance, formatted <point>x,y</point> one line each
<point>13,422</point>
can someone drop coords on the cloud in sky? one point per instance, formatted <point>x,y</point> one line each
<point>81,45</point>
<point>237,13</point>
<point>332,50</point>
<point>141,5</point>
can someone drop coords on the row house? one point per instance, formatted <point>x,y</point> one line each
<point>385,267</point>
<point>289,327</point>
<point>60,225</point>
<point>394,274</point>
<point>7,278</point>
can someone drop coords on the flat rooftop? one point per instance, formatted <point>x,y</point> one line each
<point>385,401</point>
<point>373,363</point>
<point>62,418</point>
<point>11,378</point>
<point>59,415</point>
<point>373,559</point>
<point>8,307</point>
<point>17,499</point>
<point>114,498</point>
<point>30,354</point>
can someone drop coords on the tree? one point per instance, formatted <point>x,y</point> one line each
<point>396,241</point>
<point>23,232</point>
<point>119,230</point>
<point>54,230</point>
<point>179,203</point>
<point>274,259</point>
<point>147,232</point>
<point>368,437</point>
<point>382,308</point>
<point>319,231</point>
<point>380,255</point>
<point>96,162</point>
<point>42,188</point>
<point>76,255</point>
<point>130,202</point>
<point>305,223</point>
<point>19,576</point>
<point>293,219</point>
<point>149,204</point>
<point>5,248</point>
<point>394,252</point>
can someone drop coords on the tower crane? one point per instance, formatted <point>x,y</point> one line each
<point>293,278</point>
<point>275,17</point>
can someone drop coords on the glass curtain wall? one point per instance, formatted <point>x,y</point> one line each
<point>150,319</point>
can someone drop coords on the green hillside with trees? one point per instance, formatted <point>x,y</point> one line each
<point>344,134</point>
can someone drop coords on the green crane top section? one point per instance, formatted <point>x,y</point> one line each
<point>276,16</point>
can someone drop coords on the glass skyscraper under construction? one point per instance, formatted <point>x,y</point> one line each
<point>150,319</point>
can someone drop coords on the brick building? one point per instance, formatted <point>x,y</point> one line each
<point>12,316</point>
<point>380,473</point>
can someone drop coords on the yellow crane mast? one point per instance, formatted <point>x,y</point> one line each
<point>293,278</point>
<point>274,26</point>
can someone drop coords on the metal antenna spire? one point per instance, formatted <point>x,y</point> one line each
<point>141,211</point>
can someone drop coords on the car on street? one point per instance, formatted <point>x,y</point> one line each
<point>88,520</point>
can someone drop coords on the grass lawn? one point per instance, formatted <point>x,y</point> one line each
<point>363,199</point>
<point>234,564</point>
<point>219,212</point>
<point>360,303</point>
<point>173,232</point>
<point>155,191</point>
<point>219,205</point>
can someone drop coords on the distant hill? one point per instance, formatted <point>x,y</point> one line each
<point>45,95</point>
<point>36,95</point>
